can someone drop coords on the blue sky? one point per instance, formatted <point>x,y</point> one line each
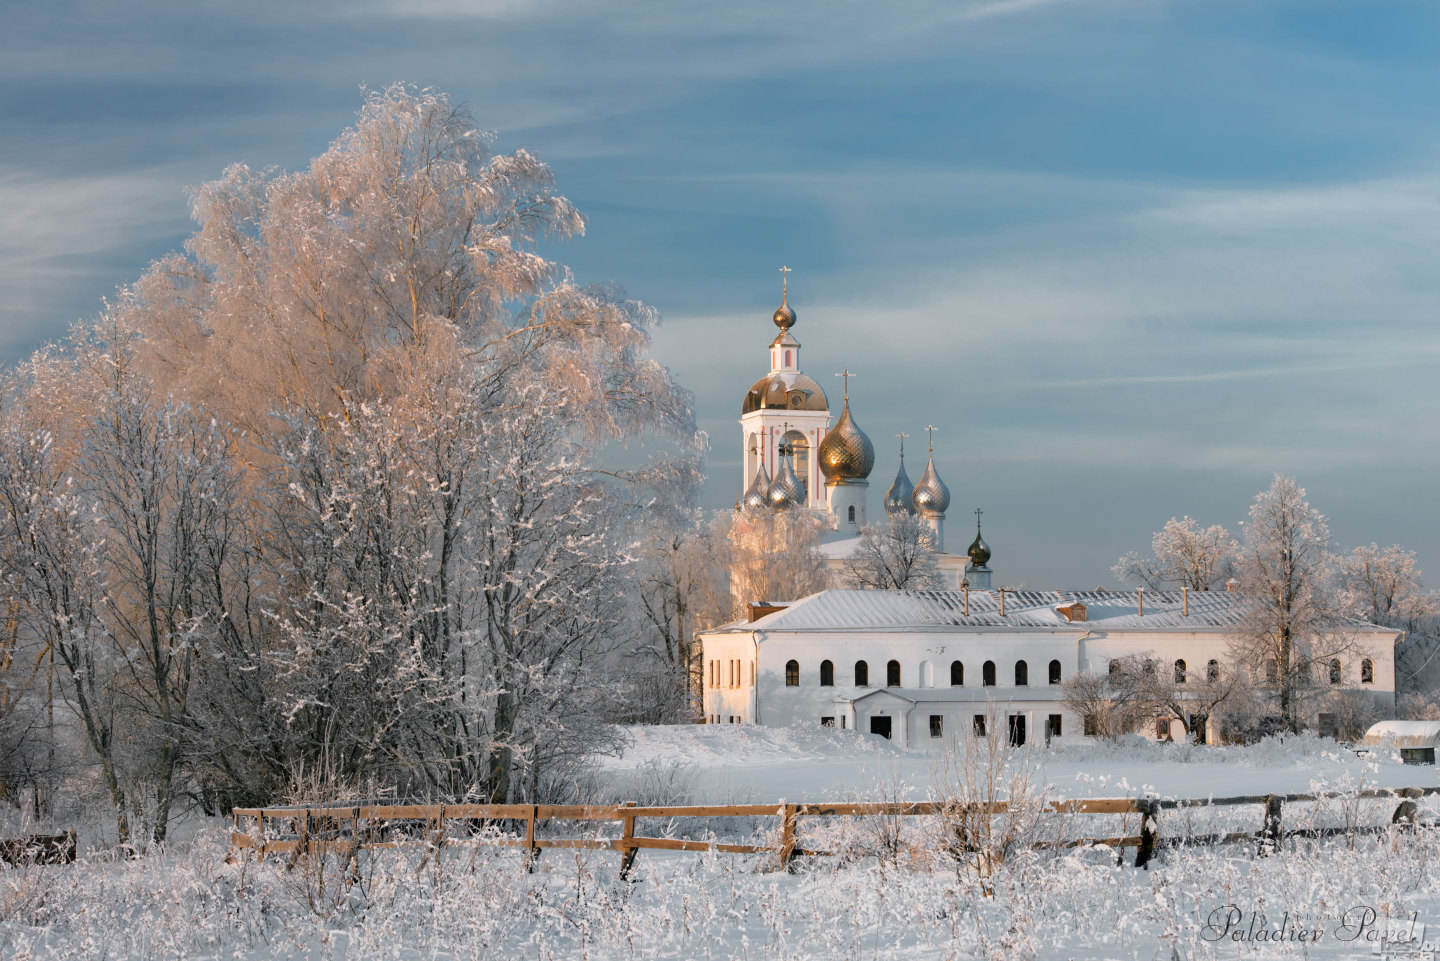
<point>1132,258</point>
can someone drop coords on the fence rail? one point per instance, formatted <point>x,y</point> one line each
<point>350,828</point>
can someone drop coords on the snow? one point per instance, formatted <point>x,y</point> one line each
<point>743,763</point>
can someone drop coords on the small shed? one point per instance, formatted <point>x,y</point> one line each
<point>1415,740</point>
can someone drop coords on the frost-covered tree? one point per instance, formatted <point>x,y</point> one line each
<point>328,490</point>
<point>1383,586</point>
<point>770,555</point>
<point>1292,609</point>
<point>1184,554</point>
<point>899,555</point>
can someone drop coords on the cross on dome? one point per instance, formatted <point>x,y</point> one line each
<point>902,435</point>
<point>847,374</point>
<point>784,280</point>
<point>932,429</point>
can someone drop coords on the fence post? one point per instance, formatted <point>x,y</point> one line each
<point>790,812</point>
<point>1149,809</point>
<point>627,846</point>
<point>532,853</point>
<point>1271,834</point>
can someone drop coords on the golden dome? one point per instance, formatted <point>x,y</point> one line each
<point>784,391</point>
<point>846,453</point>
<point>784,316</point>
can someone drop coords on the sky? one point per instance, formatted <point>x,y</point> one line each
<point>1130,258</point>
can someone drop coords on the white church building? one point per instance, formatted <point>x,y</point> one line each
<point>916,665</point>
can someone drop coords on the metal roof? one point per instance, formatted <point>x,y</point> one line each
<point>1107,611</point>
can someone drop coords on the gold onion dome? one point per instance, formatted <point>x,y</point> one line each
<point>784,314</point>
<point>979,551</point>
<point>755,497</point>
<point>897,498</point>
<point>786,491</point>
<point>846,453</point>
<point>931,494</point>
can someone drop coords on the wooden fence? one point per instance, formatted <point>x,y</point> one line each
<point>347,829</point>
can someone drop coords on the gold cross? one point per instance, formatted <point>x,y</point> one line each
<point>847,375</point>
<point>902,435</point>
<point>784,280</point>
<point>932,431</point>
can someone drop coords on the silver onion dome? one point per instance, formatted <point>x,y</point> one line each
<point>755,497</point>
<point>897,498</point>
<point>931,494</point>
<point>785,491</point>
<point>846,453</point>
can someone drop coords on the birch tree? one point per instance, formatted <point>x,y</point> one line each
<point>896,556</point>
<point>1183,554</point>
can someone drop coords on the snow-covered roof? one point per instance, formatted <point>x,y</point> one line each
<point>1106,611</point>
<point>1396,734</point>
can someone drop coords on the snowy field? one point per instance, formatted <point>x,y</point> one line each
<point>740,764</point>
<point>886,896</point>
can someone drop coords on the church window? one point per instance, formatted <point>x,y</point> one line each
<point>1162,728</point>
<point>1180,671</point>
<point>1149,668</point>
<point>957,674</point>
<point>892,674</point>
<point>715,674</point>
<point>987,674</point>
<point>827,675</point>
<point>978,725</point>
<point>787,358</point>
<point>1092,726</point>
<point>852,513</point>
<point>1114,668</point>
<point>1212,671</point>
<point>862,674</point>
<point>1335,671</point>
<point>1054,672</point>
<point>827,722</point>
<point>937,725</point>
<point>792,673</point>
<point>1367,671</point>
<point>1052,727</point>
<point>1022,674</point>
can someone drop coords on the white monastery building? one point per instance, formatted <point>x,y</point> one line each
<point>916,665</point>
<point>912,665</point>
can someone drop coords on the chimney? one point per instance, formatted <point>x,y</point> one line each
<point>1140,600</point>
<point>759,609</point>
<point>1185,594</point>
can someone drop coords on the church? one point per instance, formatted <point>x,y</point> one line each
<point>917,666</point>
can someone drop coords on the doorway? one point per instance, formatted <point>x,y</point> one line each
<point>1017,730</point>
<point>880,726</point>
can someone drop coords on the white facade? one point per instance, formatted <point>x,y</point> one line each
<point>1010,660</point>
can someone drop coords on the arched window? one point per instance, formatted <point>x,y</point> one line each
<point>1180,671</point>
<point>1335,670</point>
<point>792,673</point>
<point>852,513</point>
<point>800,451</point>
<point>1149,668</point>
<point>1367,671</point>
<point>987,674</point>
<point>1114,668</point>
<point>862,674</point>
<point>957,674</point>
<point>787,358</point>
<point>1054,672</point>
<point>827,674</point>
<point>1212,670</point>
<point>1272,672</point>
<point>1022,674</point>
<point>927,674</point>
<point>892,674</point>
